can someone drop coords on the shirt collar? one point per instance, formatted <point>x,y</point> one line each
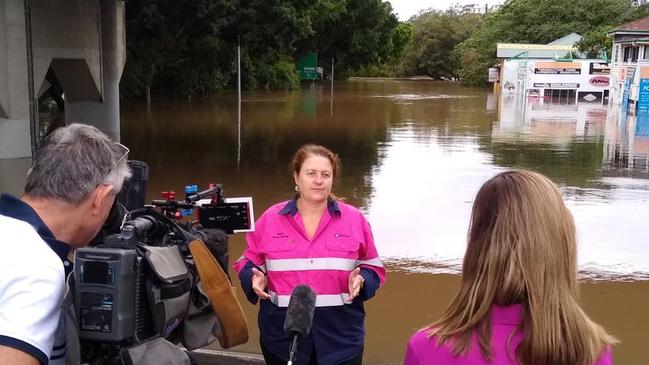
<point>510,314</point>
<point>291,206</point>
<point>13,207</point>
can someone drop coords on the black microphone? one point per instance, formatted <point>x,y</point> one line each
<point>299,316</point>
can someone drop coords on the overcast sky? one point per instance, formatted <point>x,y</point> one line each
<point>407,8</point>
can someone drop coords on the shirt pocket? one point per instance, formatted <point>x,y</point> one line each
<point>340,243</point>
<point>281,244</point>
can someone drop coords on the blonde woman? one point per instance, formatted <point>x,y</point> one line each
<point>518,303</point>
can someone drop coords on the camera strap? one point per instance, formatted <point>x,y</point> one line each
<point>215,283</point>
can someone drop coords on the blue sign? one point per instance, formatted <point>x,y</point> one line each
<point>642,125</point>
<point>643,97</point>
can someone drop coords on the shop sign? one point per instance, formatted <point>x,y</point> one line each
<point>494,73</point>
<point>556,85</point>
<point>590,97</point>
<point>557,68</point>
<point>600,68</point>
<point>600,81</point>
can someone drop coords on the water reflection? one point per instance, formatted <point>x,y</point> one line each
<point>414,155</point>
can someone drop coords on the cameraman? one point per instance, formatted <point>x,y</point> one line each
<point>70,188</point>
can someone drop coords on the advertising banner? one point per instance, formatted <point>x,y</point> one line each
<point>494,73</point>
<point>643,96</point>
<point>600,68</point>
<point>556,85</point>
<point>557,68</point>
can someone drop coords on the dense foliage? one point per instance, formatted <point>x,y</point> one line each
<point>435,36</point>
<point>189,46</point>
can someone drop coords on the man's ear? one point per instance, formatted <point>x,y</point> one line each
<point>102,198</point>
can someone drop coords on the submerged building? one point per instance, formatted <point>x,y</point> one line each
<point>555,72</point>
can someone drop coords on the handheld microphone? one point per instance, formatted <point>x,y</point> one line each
<point>299,316</point>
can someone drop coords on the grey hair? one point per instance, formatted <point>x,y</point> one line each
<point>72,161</point>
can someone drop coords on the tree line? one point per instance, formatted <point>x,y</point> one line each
<point>188,47</point>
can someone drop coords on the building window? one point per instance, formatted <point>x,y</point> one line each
<point>631,53</point>
<point>645,55</point>
<point>560,96</point>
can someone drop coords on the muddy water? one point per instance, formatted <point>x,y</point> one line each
<point>414,154</point>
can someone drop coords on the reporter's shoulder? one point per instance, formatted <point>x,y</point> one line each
<point>423,340</point>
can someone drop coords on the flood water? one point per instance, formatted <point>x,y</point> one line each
<point>414,155</point>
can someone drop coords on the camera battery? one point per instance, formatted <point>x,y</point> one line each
<point>105,280</point>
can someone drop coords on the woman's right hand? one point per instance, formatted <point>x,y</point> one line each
<point>259,283</point>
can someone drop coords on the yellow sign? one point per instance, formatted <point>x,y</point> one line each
<point>543,47</point>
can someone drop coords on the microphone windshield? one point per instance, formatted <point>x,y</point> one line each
<point>299,315</point>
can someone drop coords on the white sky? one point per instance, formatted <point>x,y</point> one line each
<point>407,8</point>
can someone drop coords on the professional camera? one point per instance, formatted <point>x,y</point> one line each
<point>139,281</point>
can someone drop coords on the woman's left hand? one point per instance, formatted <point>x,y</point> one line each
<point>355,283</point>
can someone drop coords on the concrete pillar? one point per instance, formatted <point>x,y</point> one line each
<point>83,41</point>
<point>104,114</point>
<point>14,113</point>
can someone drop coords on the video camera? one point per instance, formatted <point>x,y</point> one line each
<point>138,280</point>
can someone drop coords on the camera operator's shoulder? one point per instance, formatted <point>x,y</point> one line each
<point>21,238</point>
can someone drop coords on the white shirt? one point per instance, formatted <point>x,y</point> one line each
<point>31,291</point>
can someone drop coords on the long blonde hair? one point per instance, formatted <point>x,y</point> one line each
<point>522,250</point>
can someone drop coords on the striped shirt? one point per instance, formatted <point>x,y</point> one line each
<point>279,247</point>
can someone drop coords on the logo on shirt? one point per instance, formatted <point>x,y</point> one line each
<point>337,235</point>
<point>279,235</point>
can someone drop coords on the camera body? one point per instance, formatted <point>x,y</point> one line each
<point>139,281</point>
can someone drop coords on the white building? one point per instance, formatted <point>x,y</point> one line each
<point>553,73</point>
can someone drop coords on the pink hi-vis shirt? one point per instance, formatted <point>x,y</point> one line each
<point>279,247</point>
<point>342,242</point>
<point>423,350</point>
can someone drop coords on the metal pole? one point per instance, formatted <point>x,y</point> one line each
<point>238,104</point>
<point>33,114</point>
<point>332,73</point>
<point>331,98</point>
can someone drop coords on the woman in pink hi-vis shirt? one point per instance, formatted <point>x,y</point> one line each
<point>317,240</point>
<point>518,302</point>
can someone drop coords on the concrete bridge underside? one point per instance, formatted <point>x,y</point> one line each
<point>78,54</point>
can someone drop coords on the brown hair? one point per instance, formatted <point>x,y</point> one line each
<point>317,150</point>
<point>522,250</point>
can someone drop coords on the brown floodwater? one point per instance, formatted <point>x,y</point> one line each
<point>414,154</point>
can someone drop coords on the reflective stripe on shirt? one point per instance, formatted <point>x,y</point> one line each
<point>242,258</point>
<point>320,263</point>
<point>321,300</point>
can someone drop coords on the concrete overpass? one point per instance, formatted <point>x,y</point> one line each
<point>78,55</point>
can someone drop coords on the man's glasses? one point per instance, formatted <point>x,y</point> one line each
<point>125,152</point>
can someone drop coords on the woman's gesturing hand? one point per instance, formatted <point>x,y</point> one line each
<point>259,283</point>
<point>355,283</point>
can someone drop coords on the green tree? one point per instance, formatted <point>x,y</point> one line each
<point>187,47</point>
<point>435,36</point>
